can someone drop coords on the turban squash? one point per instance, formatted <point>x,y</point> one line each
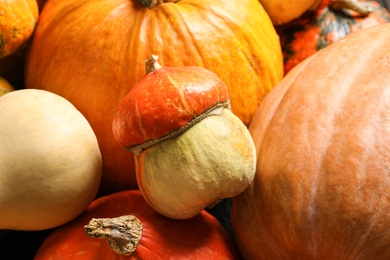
<point>93,52</point>
<point>321,188</point>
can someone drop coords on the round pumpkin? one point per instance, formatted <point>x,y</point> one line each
<point>17,22</point>
<point>316,30</point>
<point>93,53</point>
<point>321,189</point>
<point>201,237</point>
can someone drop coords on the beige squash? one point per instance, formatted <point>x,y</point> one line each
<point>50,162</point>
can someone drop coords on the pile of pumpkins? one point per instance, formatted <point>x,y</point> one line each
<point>127,123</point>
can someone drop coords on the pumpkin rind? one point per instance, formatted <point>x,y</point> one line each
<point>92,53</point>
<point>321,189</point>
<point>17,22</point>
<point>201,237</point>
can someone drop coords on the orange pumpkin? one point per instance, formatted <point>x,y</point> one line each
<point>284,11</point>
<point>201,237</point>
<point>321,189</point>
<point>17,22</point>
<point>93,53</point>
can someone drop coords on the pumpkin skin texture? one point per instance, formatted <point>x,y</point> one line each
<point>314,31</point>
<point>50,163</point>
<point>201,237</point>
<point>17,22</point>
<point>322,176</point>
<point>94,60</point>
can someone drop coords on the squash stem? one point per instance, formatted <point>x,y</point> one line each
<point>353,5</point>
<point>152,64</point>
<point>123,233</point>
<point>153,3</point>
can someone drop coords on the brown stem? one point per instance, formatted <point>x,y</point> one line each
<point>152,64</point>
<point>153,3</point>
<point>123,233</point>
<point>353,5</point>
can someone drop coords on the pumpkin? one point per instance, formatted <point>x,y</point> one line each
<point>321,189</point>
<point>314,31</point>
<point>284,11</point>
<point>92,53</point>
<point>190,150</point>
<point>17,22</point>
<point>50,163</point>
<point>5,87</point>
<point>201,237</point>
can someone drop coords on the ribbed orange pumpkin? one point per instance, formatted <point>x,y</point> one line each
<point>322,136</point>
<point>93,52</point>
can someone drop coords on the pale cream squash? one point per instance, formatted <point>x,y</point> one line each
<point>50,162</point>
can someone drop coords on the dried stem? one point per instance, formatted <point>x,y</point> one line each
<point>153,3</point>
<point>353,5</point>
<point>123,234</point>
<point>152,64</point>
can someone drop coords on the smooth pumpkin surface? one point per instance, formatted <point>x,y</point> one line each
<point>17,22</point>
<point>321,189</point>
<point>201,237</point>
<point>316,30</point>
<point>93,52</point>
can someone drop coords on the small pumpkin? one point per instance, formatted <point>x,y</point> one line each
<point>92,53</point>
<point>5,87</point>
<point>321,189</point>
<point>50,162</point>
<point>284,11</point>
<point>154,236</point>
<point>314,31</point>
<point>17,23</point>
<point>190,150</point>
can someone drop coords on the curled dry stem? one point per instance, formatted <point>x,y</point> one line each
<point>123,233</point>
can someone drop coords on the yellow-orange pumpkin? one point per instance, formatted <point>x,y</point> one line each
<point>321,189</point>
<point>93,52</point>
<point>17,22</point>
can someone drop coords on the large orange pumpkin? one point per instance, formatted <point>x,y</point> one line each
<point>322,136</point>
<point>93,52</point>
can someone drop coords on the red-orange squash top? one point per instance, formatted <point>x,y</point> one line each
<point>166,100</point>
